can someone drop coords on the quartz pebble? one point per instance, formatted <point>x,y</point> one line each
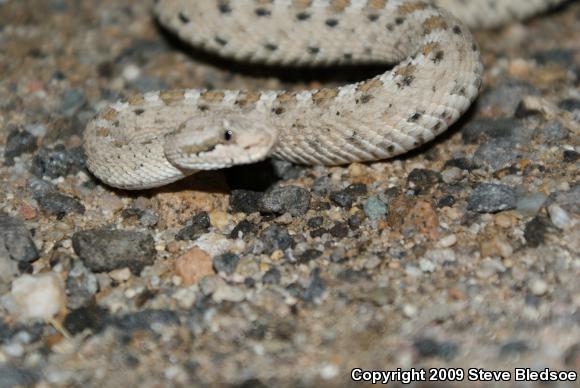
<point>39,296</point>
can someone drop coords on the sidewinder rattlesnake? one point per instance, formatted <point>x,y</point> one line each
<point>157,138</point>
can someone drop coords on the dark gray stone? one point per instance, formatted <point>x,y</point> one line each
<point>285,199</point>
<point>536,230</point>
<point>194,228</point>
<point>58,162</point>
<point>15,240</point>
<point>569,104</point>
<point>276,237</point>
<point>244,229</point>
<point>506,97</point>
<point>339,230</point>
<point>286,170</point>
<point>315,288</point>
<point>514,348</point>
<point>552,133</point>
<point>477,130</point>
<point>244,201</point>
<point>315,222</point>
<point>492,198</point>
<point>322,185</point>
<point>13,376</point>
<point>428,348</point>
<point>59,204</point>
<point>272,276</point>
<point>18,142</point>
<point>143,320</point>
<point>497,153</point>
<point>92,317</point>
<point>103,250</point>
<point>226,263</point>
<point>423,180</point>
<point>73,100</point>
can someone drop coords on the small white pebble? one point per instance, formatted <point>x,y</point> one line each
<point>559,216</point>
<point>409,310</point>
<point>131,72</point>
<point>328,371</point>
<point>538,286</point>
<point>413,271</point>
<point>448,241</point>
<point>426,265</point>
<point>36,296</point>
<point>120,275</point>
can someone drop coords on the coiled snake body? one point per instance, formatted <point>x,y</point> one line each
<point>157,138</point>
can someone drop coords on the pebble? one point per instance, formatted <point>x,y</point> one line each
<point>18,142</point>
<point>58,204</point>
<point>228,293</point>
<point>103,250</point>
<point>244,229</point>
<point>530,204</point>
<point>504,220</point>
<point>497,153</point>
<point>374,208</point>
<point>448,241</point>
<point>492,198</point>
<point>506,96</point>
<point>13,376</point>
<point>426,265</point>
<point>427,348</point>
<point>322,185</point>
<point>282,199</point>
<point>309,255</point>
<point>535,231</point>
<point>81,285</point>
<point>39,296</point>
<point>58,162</point>
<point>226,263</point>
<point>489,128</point>
<point>446,201</point>
<point>560,218</point>
<point>514,348</point>
<point>339,230</point>
<point>72,101</point>
<point>570,156</point>
<point>15,240</point>
<point>345,198</point>
<point>194,228</point>
<point>552,133</point>
<point>276,237</point>
<point>315,222</point>
<point>120,275</point>
<point>315,288</point>
<point>244,201</point>
<point>538,286</point>
<point>193,265</point>
<point>569,104</point>
<point>422,180</point>
<point>216,244</point>
<point>146,320</point>
<point>272,276</point>
<point>453,174</point>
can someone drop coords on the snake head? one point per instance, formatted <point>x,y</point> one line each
<point>219,141</point>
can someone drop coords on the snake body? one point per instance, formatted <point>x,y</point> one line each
<point>156,138</point>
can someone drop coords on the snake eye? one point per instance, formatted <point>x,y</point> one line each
<point>228,135</point>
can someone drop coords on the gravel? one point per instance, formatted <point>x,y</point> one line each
<point>492,198</point>
<point>106,250</point>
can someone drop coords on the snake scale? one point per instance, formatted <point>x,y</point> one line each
<point>160,137</point>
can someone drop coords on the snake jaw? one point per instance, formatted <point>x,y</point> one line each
<point>208,143</point>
